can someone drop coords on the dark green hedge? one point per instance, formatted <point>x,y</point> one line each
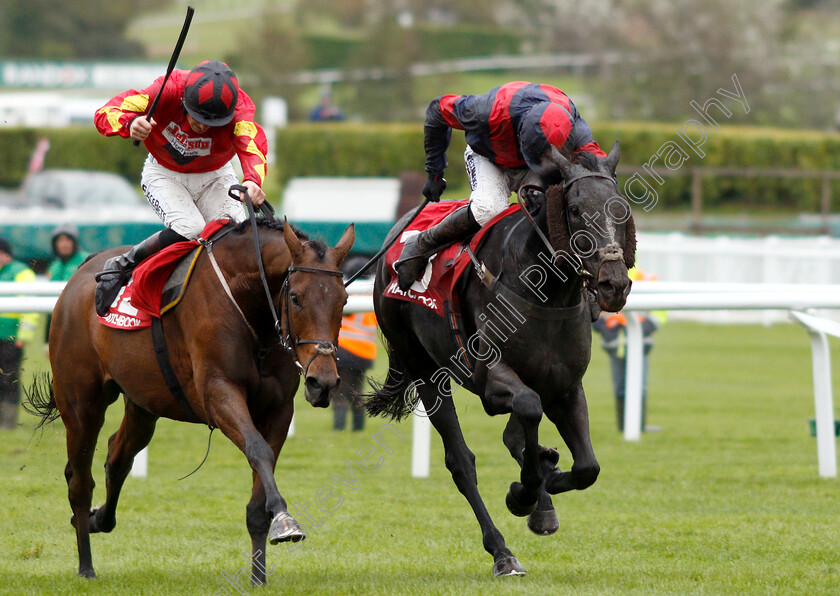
<point>75,147</point>
<point>346,149</point>
<point>337,50</point>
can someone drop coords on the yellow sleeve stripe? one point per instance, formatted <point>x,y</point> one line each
<point>245,129</point>
<point>113,115</point>
<point>135,103</point>
<point>259,168</point>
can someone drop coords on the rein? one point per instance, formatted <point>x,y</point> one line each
<point>288,338</point>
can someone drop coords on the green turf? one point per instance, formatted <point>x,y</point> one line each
<point>725,500</point>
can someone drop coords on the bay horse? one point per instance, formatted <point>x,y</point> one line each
<point>545,277</point>
<point>238,363</point>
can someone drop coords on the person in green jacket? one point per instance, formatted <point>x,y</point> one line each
<point>68,254</point>
<point>68,257</point>
<point>16,330</point>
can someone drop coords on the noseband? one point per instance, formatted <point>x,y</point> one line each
<point>289,339</point>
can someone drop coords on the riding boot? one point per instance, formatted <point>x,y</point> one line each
<point>117,270</point>
<point>456,226</point>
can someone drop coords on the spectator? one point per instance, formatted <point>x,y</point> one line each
<point>16,330</point>
<point>356,353</point>
<point>325,110</point>
<point>613,330</point>
<point>68,253</point>
<point>68,257</point>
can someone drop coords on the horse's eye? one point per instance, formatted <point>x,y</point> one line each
<point>295,299</point>
<point>574,210</point>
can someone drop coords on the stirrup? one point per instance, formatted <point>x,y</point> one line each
<point>98,276</point>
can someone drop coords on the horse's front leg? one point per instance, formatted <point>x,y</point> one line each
<point>504,386</point>
<point>543,520</point>
<point>571,416</point>
<point>274,429</point>
<point>230,410</point>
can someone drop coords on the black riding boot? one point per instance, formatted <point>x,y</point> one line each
<point>117,270</point>
<point>456,226</point>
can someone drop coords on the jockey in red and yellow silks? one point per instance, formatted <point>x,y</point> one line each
<point>202,120</point>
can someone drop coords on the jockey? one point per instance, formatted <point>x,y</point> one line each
<point>205,120</point>
<point>508,131</point>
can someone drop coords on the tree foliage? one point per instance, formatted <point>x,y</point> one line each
<point>81,29</point>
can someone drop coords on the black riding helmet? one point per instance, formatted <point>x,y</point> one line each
<point>211,93</point>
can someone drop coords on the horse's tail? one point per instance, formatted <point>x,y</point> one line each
<point>394,398</point>
<point>40,400</point>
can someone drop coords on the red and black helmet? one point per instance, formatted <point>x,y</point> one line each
<point>211,93</point>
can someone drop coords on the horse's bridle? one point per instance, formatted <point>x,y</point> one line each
<point>288,337</point>
<point>611,252</point>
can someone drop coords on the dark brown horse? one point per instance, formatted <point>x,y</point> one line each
<point>238,368</point>
<point>525,321</point>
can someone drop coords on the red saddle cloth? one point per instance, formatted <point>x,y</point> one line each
<point>445,268</point>
<point>139,299</point>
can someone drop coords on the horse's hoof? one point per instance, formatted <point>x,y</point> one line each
<point>284,528</point>
<point>97,525</point>
<point>514,505</point>
<point>87,573</point>
<point>507,566</point>
<point>543,523</point>
<point>94,526</point>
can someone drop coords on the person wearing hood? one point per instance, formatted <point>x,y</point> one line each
<point>68,253</point>
<point>68,257</point>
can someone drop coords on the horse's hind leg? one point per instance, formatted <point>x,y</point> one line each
<point>134,434</point>
<point>571,416</point>
<point>461,464</point>
<point>543,520</point>
<point>83,413</point>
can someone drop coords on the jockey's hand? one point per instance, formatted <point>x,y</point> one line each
<point>141,127</point>
<point>434,187</point>
<point>254,191</point>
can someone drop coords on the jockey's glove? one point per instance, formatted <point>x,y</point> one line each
<point>434,187</point>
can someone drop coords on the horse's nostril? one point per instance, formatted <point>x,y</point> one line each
<point>312,383</point>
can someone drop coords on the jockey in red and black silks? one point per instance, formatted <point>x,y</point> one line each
<point>508,131</point>
<point>511,125</point>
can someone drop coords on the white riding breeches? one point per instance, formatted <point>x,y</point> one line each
<point>491,185</point>
<point>186,202</point>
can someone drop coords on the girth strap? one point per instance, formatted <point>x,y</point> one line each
<point>165,364</point>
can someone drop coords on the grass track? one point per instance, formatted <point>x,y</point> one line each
<point>726,500</point>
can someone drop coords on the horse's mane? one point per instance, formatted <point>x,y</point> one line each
<point>587,160</point>
<point>318,246</point>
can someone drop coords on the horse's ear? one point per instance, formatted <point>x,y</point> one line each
<point>553,164</point>
<point>611,161</point>
<point>630,243</point>
<point>292,241</point>
<point>345,244</point>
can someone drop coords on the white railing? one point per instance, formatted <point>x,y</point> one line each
<point>646,296</point>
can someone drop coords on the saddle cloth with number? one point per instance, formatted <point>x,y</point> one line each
<point>157,284</point>
<point>435,288</point>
